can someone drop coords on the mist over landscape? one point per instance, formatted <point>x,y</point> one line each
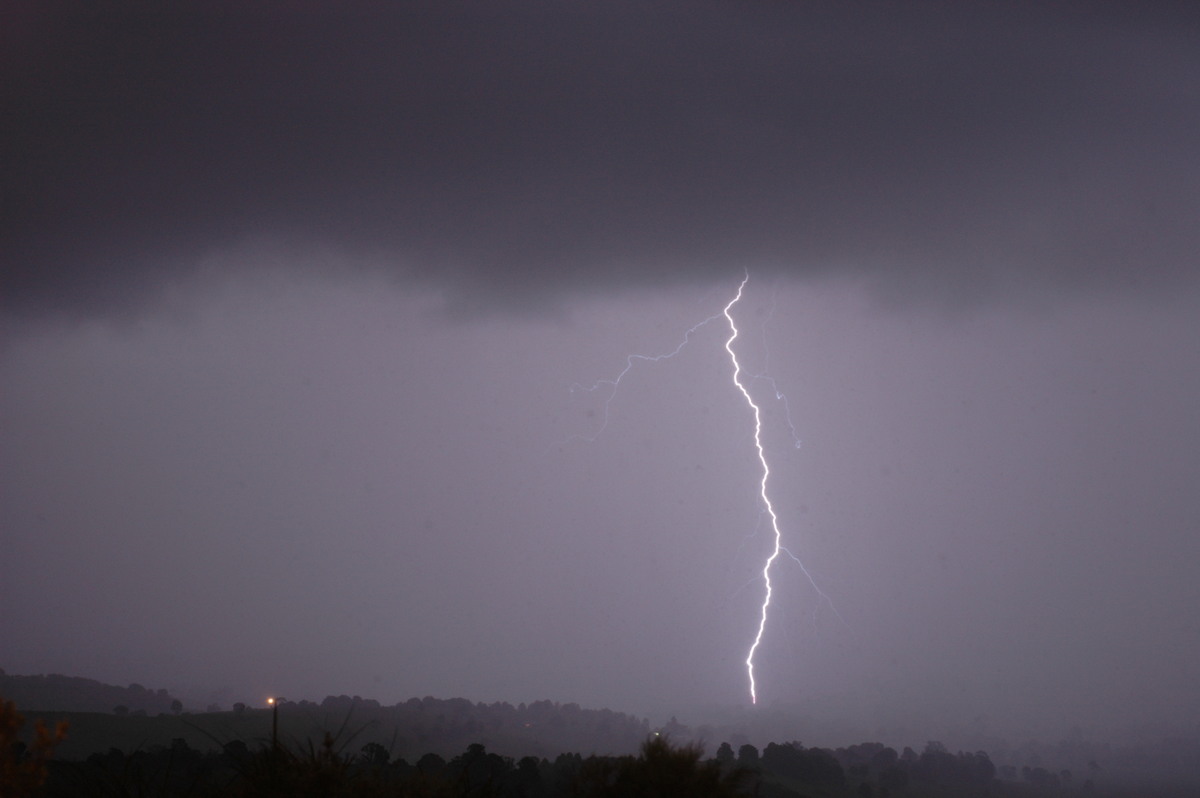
<point>307,314</point>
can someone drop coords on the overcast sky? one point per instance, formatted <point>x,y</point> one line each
<point>296,307</point>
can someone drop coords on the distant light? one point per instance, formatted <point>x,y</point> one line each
<point>270,700</point>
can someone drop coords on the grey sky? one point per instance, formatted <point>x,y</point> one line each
<point>293,304</point>
<point>952,149</point>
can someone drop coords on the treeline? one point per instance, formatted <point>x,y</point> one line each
<point>148,723</point>
<point>447,726</point>
<point>335,768</point>
<point>409,729</point>
<point>659,769</point>
<point>330,772</point>
<point>343,765</point>
<point>1168,761</point>
<point>57,693</point>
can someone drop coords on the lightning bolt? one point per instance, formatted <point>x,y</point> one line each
<point>614,385</point>
<point>762,488</point>
<point>777,547</point>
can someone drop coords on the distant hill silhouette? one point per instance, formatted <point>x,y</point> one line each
<point>57,693</point>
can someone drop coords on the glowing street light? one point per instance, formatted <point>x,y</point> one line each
<point>274,704</point>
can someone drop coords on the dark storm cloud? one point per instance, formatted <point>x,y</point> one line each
<point>492,148</point>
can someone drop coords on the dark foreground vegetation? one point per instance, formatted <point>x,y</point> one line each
<point>337,767</point>
<point>244,753</point>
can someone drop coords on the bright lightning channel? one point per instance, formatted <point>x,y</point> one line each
<point>762,489</point>
<point>614,385</point>
<point>777,547</point>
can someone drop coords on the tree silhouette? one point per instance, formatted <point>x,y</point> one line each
<point>660,771</point>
